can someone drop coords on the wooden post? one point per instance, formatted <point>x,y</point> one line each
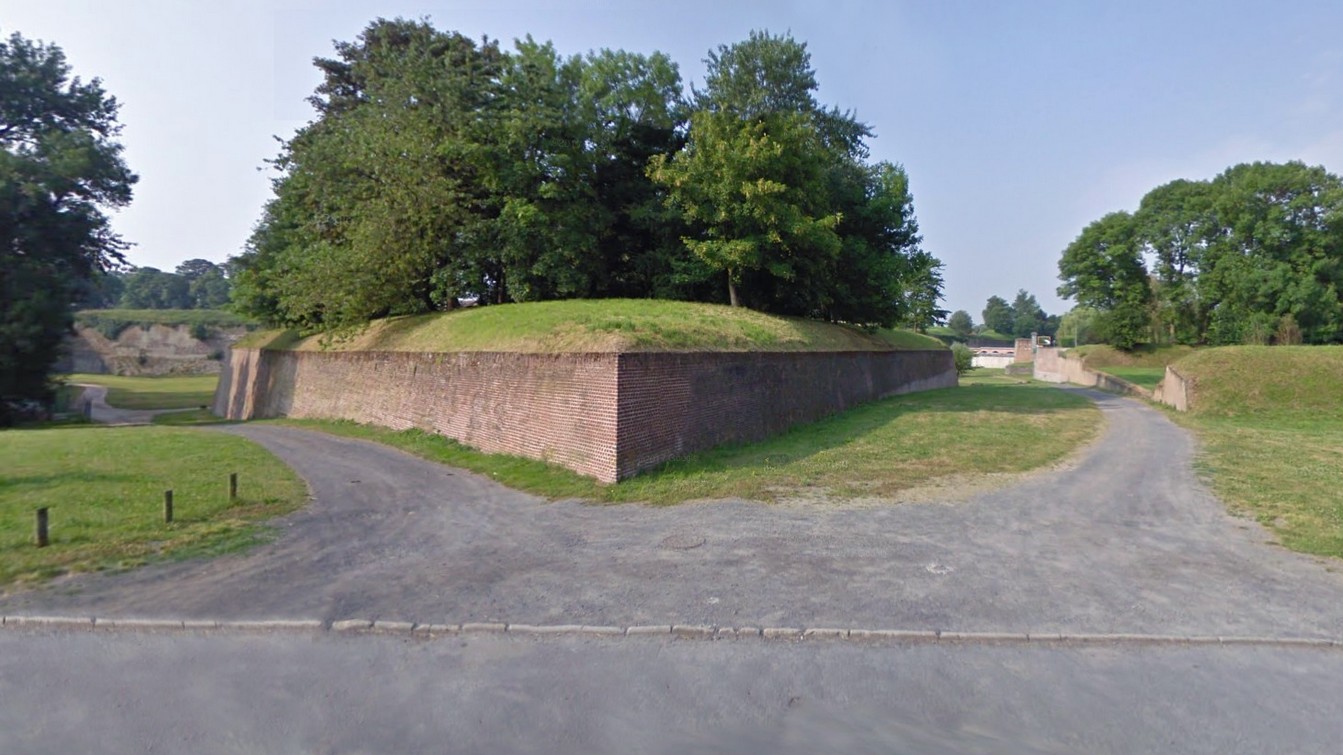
<point>42,540</point>
<point>168,507</point>
<point>233,486</point>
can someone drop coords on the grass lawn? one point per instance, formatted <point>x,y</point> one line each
<point>1270,424</point>
<point>601,325</point>
<point>992,424</point>
<point>1147,377</point>
<point>104,487</point>
<point>167,392</point>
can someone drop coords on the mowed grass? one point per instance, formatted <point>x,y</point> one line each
<point>600,325</point>
<point>989,426</point>
<point>1270,425</point>
<point>104,489</point>
<point>1147,377</point>
<point>166,392</point>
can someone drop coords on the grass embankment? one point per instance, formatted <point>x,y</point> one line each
<point>111,322</point>
<point>1270,420</point>
<point>603,325</point>
<point>1103,356</point>
<point>166,392</point>
<point>104,488</point>
<point>946,438</point>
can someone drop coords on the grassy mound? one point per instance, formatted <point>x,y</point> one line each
<point>605,325</point>
<point>1237,380</point>
<point>1099,356</point>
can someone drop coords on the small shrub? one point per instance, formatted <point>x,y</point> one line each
<point>1289,333</point>
<point>200,331</point>
<point>964,357</point>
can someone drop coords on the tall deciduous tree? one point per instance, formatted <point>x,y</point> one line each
<point>998,315</point>
<point>961,323</point>
<point>60,170</point>
<point>1103,269</point>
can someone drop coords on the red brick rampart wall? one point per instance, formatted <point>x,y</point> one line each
<point>609,416</point>
<point>560,407</point>
<point>674,403</point>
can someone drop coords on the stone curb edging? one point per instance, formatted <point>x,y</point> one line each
<point>671,631</point>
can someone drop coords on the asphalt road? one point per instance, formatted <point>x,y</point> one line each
<point>136,692</point>
<point>1126,540</point>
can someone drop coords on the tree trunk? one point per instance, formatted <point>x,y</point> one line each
<point>732,291</point>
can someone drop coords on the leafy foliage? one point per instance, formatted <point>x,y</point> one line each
<point>440,169</point>
<point>1232,259</point>
<point>60,168</point>
<point>964,357</point>
<point>961,324</point>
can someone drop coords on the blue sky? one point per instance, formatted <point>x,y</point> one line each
<point>1019,122</point>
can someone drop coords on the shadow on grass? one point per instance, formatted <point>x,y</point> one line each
<point>9,483</point>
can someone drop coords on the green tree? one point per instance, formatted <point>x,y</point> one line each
<point>998,315</point>
<point>1103,269</point>
<point>961,324</point>
<point>1027,317</point>
<point>151,288</point>
<point>60,170</point>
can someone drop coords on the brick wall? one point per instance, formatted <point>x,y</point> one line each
<point>604,415</point>
<point>560,408</point>
<point>674,403</point>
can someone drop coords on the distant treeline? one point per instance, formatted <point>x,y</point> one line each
<point>1254,255</point>
<point>441,169</point>
<point>196,284</point>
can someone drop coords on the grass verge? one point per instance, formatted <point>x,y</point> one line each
<point>991,425</point>
<point>104,488</point>
<point>166,392</point>
<point>1270,424</point>
<point>1282,471</point>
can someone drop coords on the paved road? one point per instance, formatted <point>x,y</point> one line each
<point>285,693</point>
<point>1126,540</point>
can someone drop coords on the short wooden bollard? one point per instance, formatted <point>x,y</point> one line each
<point>233,486</point>
<point>167,507</point>
<point>42,528</point>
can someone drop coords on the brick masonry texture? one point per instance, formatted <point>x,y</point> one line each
<point>605,415</point>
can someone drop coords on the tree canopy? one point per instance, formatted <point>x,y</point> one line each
<point>440,168</point>
<point>60,170</point>
<point>1240,258</point>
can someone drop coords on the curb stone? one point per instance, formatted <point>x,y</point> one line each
<point>678,631</point>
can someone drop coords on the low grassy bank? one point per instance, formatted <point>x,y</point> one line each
<point>601,325</point>
<point>104,488</point>
<point>1103,357</point>
<point>991,425</point>
<point>1270,424</point>
<point>166,392</point>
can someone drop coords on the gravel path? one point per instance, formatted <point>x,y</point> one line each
<point>1126,540</point>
